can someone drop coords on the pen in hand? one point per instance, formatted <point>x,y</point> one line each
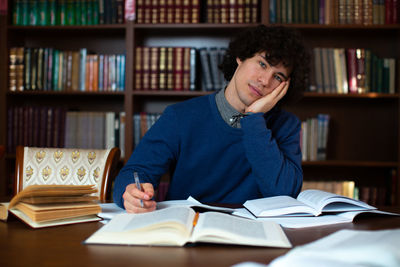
<point>138,186</point>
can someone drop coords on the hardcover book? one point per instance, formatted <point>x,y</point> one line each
<point>49,205</point>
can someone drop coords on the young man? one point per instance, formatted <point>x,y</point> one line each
<point>233,145</point>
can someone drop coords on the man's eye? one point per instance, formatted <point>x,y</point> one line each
<point>278,78</point>
<point>262,64</point>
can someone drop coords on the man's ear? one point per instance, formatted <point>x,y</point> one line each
<point>238,61</point>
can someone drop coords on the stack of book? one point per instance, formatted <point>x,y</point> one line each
<point>48,69</point>
<point>50,205</point>
<point>366,12</point>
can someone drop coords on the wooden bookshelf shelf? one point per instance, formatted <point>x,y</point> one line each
<point>63,93</point>
<point>351,163</point>
<point>171,93</point>
<point>361,95</point>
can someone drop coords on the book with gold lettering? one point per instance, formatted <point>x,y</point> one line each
<point>178,226</point>
<point>50,205</point>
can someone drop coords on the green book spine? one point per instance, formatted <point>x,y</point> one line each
<point>52,17</point>
<point>17,12</point>
<point>84,13</point>
<point>33,12</point>
<point>89,14</point>
<point>27,59</point>
<point>25,12</point>
<point>70,12</point>
<point>62,9</point>
<point>43,12</point>
<point>55,69</point>
<point>95,14</point>
<point>78,12</point>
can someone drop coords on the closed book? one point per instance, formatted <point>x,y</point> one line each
<point>206,71</point>
<point>27,75</point>
<point>186,69</point>
<point>352,69</point>
<point>178,68</point>
<point>170,68</point>
<point>146,68</point>
<point>154,68</point>
<point>163,68</point>
<point>193,72</point>
<point>138,68</point>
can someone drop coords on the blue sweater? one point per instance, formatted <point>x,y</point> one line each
<point>213,162</point>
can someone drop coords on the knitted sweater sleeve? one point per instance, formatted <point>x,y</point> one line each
<point>152,158</point>
<point>274,154</point>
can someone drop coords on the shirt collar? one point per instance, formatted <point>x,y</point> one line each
<point>230,115</point>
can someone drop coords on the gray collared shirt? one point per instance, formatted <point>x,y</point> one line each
<point>230,115</point>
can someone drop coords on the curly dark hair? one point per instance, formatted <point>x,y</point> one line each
<point>282,45</point>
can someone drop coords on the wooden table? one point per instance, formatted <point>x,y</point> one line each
<point>62,246</point>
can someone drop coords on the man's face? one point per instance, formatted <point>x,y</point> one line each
<point>255,78</point>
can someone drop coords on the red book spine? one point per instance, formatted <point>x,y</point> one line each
<point>146,68</point>
<point>154,68</point>
<point>395,5</point>
<point>138,68</point>
<point>352,70</point>
<point>178,69</point>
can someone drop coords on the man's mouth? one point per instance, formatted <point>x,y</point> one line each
<point>255,90</point>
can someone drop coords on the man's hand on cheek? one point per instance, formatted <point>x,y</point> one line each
<point>267,102</point>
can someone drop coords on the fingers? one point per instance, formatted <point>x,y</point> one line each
<point>133,196</point>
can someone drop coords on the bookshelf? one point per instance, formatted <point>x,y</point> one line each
<point>364,134</point>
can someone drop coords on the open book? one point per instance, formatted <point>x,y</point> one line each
<point>50,205</point>
<point>177,226</point>
<point>308,203</point>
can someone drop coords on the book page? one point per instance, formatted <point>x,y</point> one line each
<point>227,229</point>
<point>347,248</point>
<point>171,226</point>
<point>4,211</point>
<point>278,206</point>
<point>325,201</point>
<point>193,203</point>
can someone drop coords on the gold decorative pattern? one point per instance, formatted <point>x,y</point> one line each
<point>58,155</point>
<point>40,155</point>
<point>81,173</point>
<point>64,173</point>
<point>75,156</point>
<point>91,157</point>
<point>46,173</point>
<point>96,174</point>
<point>28,172</point>
<point>63,166</point>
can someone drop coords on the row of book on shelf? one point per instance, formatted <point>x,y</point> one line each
<point>185,11</point>
<point>67,13</point>
<point>352,70</point>
<point>314,137</point>
<point>375,195</point>
<point>43,126</point>
<point>49,69</point>
<point>177,68</point>
<point>365,12</point>
<point>335,70</point>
